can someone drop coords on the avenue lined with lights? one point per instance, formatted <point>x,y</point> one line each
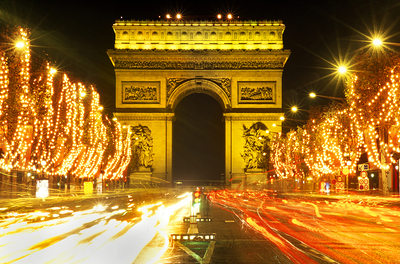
<point>292,201</point>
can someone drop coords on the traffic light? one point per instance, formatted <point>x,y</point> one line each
<point>196,196</point>
<point>196,201</point>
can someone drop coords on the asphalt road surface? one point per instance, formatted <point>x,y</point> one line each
<point>137,226</point>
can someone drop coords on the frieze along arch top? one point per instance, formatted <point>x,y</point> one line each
<point>178,88</point>
<point>158,63</point>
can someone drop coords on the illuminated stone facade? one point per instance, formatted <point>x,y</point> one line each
<point>158,63</point>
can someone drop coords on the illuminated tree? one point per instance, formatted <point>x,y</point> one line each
<point>339,142</point>
<point>374,96</point>
<point>20,110</point>
<point>288,155</point>
<point>119,155</point>
<point>94,141</point>
<point>3,109</point>
<point>52,125</point>
<point>43,92</point>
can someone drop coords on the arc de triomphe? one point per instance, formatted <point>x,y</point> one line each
<point>158,63</point>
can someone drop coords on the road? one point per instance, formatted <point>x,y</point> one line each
<point>112,228</point>
<point>315,229</point>
<point>250,227</point>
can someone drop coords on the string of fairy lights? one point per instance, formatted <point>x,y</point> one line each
<point>368,122</point>
<point>374,109</point>
<point>54,126</point>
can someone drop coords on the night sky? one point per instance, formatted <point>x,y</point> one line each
<point>77,34</point>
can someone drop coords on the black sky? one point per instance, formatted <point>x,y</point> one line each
<point>77,34</point>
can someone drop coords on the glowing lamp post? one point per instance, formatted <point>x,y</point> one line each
<point>314,95</point>
<point>342,69</point>
<point>20,44</point>
<point>53,71</point>
<point>377,42</point>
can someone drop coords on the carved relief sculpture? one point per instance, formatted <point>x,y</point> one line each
<point>256,148</point>
<point>140,92</point>
<point>224,83</point>
<point>256,92</point>
<point>142,147</point>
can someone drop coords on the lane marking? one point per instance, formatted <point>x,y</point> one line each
<point>209,252</point>
<point>190,252</point>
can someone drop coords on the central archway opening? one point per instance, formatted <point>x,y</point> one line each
<point>198,152</point>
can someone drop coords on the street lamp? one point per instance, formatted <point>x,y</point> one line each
<point>313,95</point>
<point>377,42</point>
<point>342,69</point>
<point>20,44</point>
<point>294,109</point>
<point>53,70</point>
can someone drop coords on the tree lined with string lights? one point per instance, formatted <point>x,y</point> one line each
<point>368,122</point>
<point>334,143</point>
<point>321,149</point>
<point>374,98</point>
<point>52,125</point>
<point>287,155</point>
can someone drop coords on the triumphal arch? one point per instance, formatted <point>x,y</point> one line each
<point>158,63</point>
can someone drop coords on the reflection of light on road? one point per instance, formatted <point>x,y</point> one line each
<point>353,229</point>
<point>315,207</point>
<point>264,232</point>
<point>86,236</point>
<point>297,222</point>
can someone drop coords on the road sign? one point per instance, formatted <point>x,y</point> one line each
<point>193,237</point>
<point>88,187</point>
<point>42,189</point>
<point>363,167</point>
<point>198,219</point>
<point>363,183</point>
<point>339,186</point>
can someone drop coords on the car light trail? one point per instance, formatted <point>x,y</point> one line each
<point>344,229</point>
<point>95,235</point>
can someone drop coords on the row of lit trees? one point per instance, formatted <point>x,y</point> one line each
<point>52,125</point>
<point>367,121</point>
